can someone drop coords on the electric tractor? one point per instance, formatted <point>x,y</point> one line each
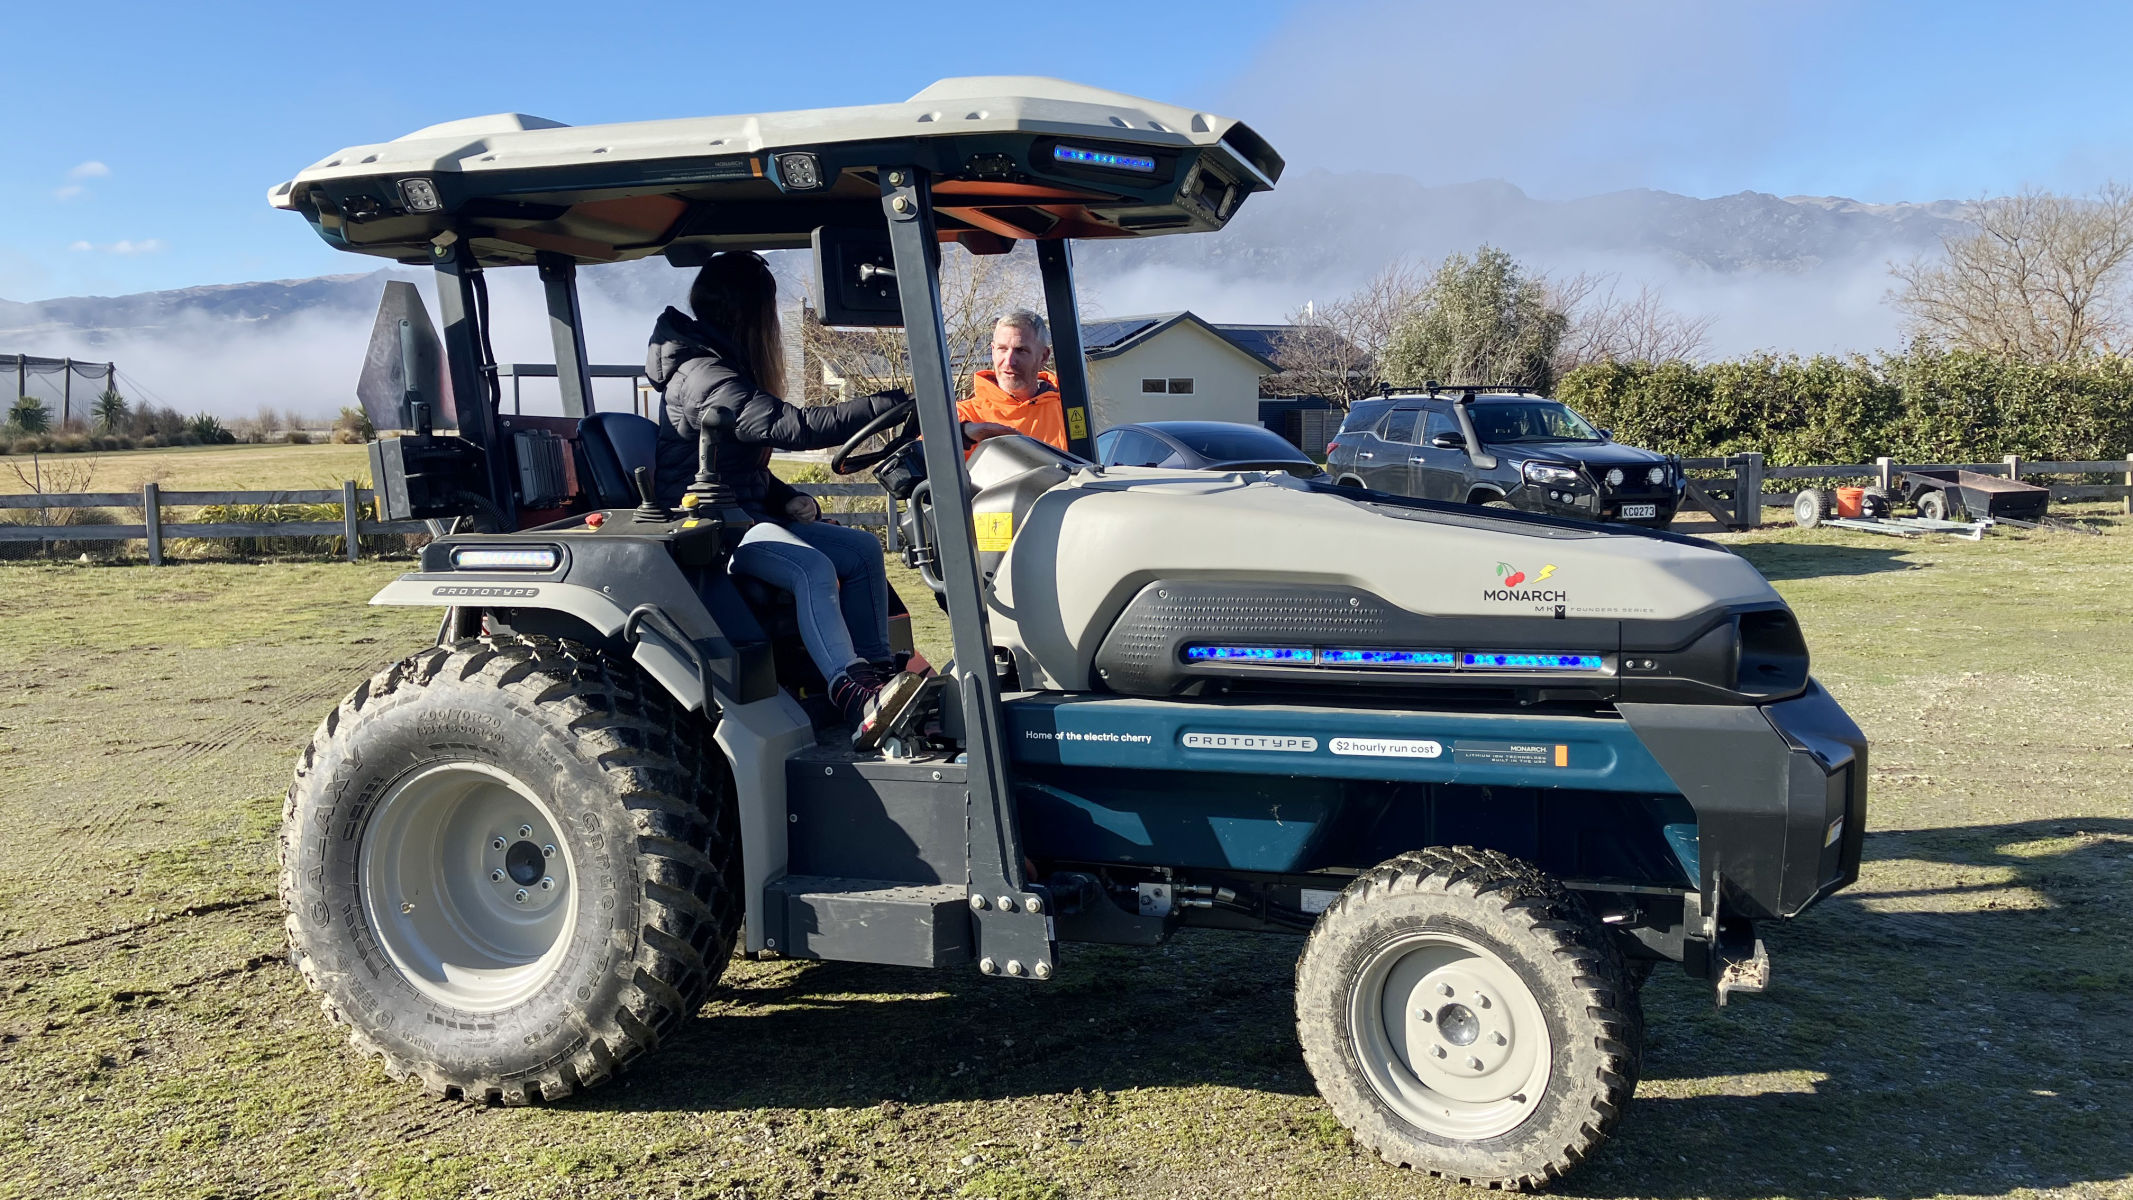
<point>1490,767</point>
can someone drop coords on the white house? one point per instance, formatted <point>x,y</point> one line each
<point>1171,367</point>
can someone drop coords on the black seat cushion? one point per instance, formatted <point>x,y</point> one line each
<point>615,444</point>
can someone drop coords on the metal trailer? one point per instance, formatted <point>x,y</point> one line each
<point>1953,494</point>
<point>1491,766</point>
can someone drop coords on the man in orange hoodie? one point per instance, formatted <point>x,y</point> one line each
<point>1017,395</point>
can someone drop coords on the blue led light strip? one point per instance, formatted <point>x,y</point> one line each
<point>1296,655</point>
<point>1351,656</point>
<point>1487,660</point>
<point>1104,158</point>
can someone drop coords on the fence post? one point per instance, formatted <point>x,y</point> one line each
<point>2014,466</point>
<point>152,518</point>
<point>2129,483</point>
<point>1748,491</point>
<point>893,543</point>
<point>348,515</point>
<point>1885,474</point>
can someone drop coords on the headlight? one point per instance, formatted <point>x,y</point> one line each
<point>1544,473</point>
<point>1615,477</point>
<point>1655,476</point>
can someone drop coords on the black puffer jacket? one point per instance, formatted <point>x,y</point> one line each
<point>695,368</point>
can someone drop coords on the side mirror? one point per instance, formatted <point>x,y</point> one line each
<point>854,283</point>
<point>403,384</point>
<point>1607,435</point>
<point>1449,441</point>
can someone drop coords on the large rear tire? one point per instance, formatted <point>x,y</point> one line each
<point>1464,1014</point>
<point>510,866</point>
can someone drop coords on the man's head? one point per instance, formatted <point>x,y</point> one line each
<point>1020,348</point>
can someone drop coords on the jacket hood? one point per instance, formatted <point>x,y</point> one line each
<point>678,338</point>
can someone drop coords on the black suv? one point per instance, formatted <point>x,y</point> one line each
<point>1534,453</point>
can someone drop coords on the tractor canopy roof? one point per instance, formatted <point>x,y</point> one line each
<point>1011,158</point>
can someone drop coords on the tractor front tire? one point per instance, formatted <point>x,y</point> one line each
<point>1464,1014</point>
<point>510,866</point>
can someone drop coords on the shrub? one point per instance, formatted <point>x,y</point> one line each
<point>1922,405</point>
<point>29,415</point>
<point>205,427</point>
<point>297,437</point>
<point>355,422</point>
<point>111,411</point>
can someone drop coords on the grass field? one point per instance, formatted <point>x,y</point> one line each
<point>1958,1024</point>
<point>200,468</point>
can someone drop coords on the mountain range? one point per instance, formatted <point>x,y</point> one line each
<point>1790,273</point>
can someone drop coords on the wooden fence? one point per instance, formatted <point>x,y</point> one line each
<point>351,525</point>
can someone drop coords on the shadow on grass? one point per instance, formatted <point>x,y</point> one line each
<point>1792,560</point>
<point>1974,1046</point>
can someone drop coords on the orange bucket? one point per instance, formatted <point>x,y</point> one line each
<point>1851,502</point>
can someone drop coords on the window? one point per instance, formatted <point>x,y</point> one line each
<point>1440,420</point>
<point>1400,426</point>
<point>1104,442</point>
<point>1154,387</point>
<point>1181,387</point>
<point>1236,443</point>
<point>1137,449</point>
<point>1363,414</point>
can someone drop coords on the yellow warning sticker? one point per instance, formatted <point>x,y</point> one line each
<point>1077,422</point>
<point>691,523</point>
<point>995,530</point>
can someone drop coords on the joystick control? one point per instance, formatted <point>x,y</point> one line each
<point>648,506</point>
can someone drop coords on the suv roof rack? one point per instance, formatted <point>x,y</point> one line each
<point>1433,388</point>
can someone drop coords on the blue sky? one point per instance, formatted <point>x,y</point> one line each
<point>138,140</point>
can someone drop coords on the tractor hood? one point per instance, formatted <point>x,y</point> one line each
<point>1142,580</point>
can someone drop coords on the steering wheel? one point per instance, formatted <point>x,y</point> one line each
<point>850,460</point>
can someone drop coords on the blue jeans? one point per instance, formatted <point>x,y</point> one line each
<point>838,582</point>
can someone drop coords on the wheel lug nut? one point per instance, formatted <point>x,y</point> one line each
<point>1444,989</point>
<point>1437,1050</point>
<point>1480,1000</point>
<point>1424,1014</point>
<point>520,896</point>
<point>548,852</point>
<point>497,844</point>
<point>525,831</point>
<point>496,877</point>
<point>1475,1063</point>
<point>548,884</point>
<point>1499,1039</point>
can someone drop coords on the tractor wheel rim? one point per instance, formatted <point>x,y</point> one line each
<point>1805,508</point>
<point>467,880</point>
<point>1449,1036</point>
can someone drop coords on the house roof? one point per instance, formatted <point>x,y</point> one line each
<point>1115,336</point>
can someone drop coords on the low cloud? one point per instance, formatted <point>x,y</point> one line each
<point>74,189</point>
<point>121,247</point>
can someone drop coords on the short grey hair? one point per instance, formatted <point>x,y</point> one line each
<point>1029,323</point>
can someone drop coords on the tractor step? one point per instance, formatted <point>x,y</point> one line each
<point>868,920</point>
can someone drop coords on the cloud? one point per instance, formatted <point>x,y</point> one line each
<point>73,189</point>
<point>122,247</point>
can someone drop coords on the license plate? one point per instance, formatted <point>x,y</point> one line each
<point>1631,512</point>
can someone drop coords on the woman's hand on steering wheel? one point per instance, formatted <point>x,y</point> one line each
<point>850,459</point>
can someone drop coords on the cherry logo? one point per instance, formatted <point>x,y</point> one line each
<point>1511,576</point>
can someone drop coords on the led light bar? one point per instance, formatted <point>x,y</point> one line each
<point>1485,660</point>
<point>1349,656</point>
<point>469,558</point>
<point>1104,158</point>
<point>1296,655</point>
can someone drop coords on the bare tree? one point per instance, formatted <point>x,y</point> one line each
<point>1608,326</point>
<point>975,290</point>
<point>2040,278</point>
<point>1334,349</point>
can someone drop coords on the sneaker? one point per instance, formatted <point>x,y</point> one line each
<point>873,708</point>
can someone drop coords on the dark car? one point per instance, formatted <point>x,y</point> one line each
<point>1203,445</point>
<point>1536,454</point>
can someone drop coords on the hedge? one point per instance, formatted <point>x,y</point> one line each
<point>1920,406</point>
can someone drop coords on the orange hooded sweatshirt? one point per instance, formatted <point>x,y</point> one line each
<point>1041,416</point>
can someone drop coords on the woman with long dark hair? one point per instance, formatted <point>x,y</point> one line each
<point>731,356</point>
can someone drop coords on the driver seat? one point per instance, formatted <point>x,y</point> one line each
<point>615,444</point>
